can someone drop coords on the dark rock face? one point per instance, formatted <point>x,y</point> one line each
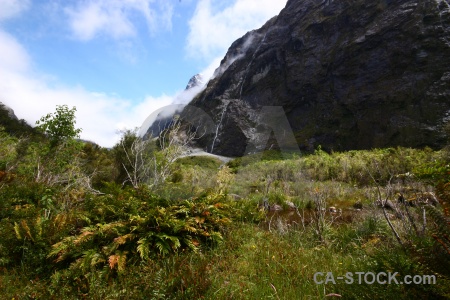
<point>349,75</point>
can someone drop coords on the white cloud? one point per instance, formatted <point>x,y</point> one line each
<point>214,26</point>
<point>11,8</point>
<point>12,55</point>
<point>31,95</point>
<point>208,72</point>
<point>117,18</point>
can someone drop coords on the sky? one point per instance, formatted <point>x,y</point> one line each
<point>116,61</point>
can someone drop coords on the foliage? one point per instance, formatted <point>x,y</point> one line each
<point>14,127</point>
<point>150,162</point>
<point>355,166</point>
<point>119,234</point>
<point>71,230</point>
<point>8,152</point>
<point>59,126</point>
<point>98,163</point>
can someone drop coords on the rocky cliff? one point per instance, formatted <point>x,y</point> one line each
<point>348,74</point>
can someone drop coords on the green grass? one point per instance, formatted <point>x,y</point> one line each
<point>259,257</point>
<point>200,161</point>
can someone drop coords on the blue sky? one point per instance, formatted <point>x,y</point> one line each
<point>117,61</point>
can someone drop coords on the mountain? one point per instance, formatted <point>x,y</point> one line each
<point>8,111</point>
<point>163,118</point>
<point>195,81</point>
<point>349,75</point>
<point>11,124</point>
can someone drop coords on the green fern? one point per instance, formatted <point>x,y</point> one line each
<point>147,232</point>
<point>143,248</point>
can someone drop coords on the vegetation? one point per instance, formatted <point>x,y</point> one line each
<point>59,126</point>
<point>81,222</point>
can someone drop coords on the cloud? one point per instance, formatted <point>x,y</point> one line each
<point>13,56</point>
<point>33,95</point>
<point>99,115</point>
<point>214,26</point>
<point>117,18</point>
<point>12,8</point>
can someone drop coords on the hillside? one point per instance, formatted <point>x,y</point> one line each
<point>348,74</point>
<point>11,124</point>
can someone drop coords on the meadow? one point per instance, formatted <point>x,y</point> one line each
<point>78,221</point>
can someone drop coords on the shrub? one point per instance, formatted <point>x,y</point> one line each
<point>59,126</point>
<point>120,233</point>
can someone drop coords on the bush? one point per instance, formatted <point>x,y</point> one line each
<point>123,231</point>
<point>59,126</point>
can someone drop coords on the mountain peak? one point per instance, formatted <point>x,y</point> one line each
<point>196,80</point>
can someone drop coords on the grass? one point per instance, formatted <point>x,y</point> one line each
<point>203,162</point>
<point>254,261</point>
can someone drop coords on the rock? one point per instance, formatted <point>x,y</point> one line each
<point>348,74</point>
<point>388,204</point>
<point>195,81</point>
<point>265,205</point>
<point>290,205</point>
<point>275,207</point>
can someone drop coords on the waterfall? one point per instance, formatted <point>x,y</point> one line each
<point>224,109</point>
<point>249,64</point>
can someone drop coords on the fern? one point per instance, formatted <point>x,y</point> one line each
<point>143,248</point>
<point>147,232</point>
<point>118,260</point>
<point>23,230</point>
<point>190,244</point>
<point>91,258</point>
<point>163,247</point>
<point>124,238</point>
<point>62,249</point>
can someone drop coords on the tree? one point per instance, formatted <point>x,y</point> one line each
<point>131,155</point>
<point>59,126</point>
<point>151,161</point>
<point>59,161</point>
